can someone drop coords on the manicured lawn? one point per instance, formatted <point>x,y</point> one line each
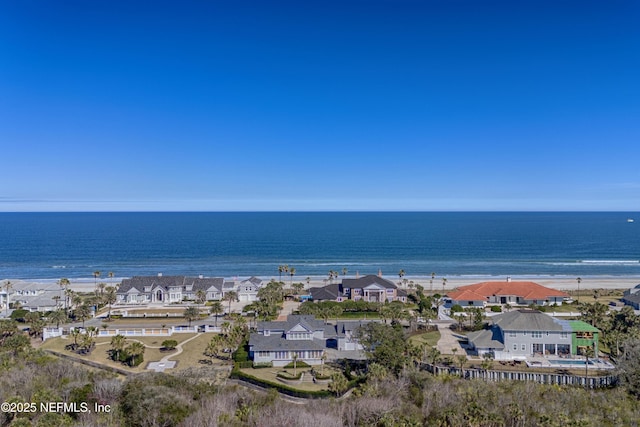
<point>191,355</point>
<point>100,353</point>
<point>431,338</point>
<point>269,374</point>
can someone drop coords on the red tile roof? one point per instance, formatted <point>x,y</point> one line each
<point>484,290</point>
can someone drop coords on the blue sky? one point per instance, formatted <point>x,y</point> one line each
<point>350,105</point>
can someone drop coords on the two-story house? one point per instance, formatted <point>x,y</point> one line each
<point>370,288</point>
<point>524,333</point>
<point>167,289</point>
<point>301,336</point>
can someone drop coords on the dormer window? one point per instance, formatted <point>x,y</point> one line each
<point>267,333</point>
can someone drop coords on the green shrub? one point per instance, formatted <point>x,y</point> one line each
<point>299,364</point>
<point>288,376</point>
<point>243,364</point>
<point>169,344</point>
<point>281,388</point>
<point>19,314</point>
<point>263,365</point>
<point>496,309</point>
<point>241,354</point>
<point>457,308</point>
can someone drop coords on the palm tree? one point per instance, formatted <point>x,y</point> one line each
<point>338,383</point>
<point>83,312</point>
<point>298,288</point>
<point>201,296</point>
<point>462,360</point>
<point>110,297</point>
<point>588,353</point>
<point>433,276</point>
<point>434,355</point>
<point>134,350</point>
<point>7,286</point>
<point>323,358</point>
<point>308,280</point>
<point>64,284</point>
<point>292,272</point>
<point>215,309</point>
<point>110,274</point>
<point>579,280</point>
<point>96,274</point>
<point>57,317</point>
<point>344,271</point>
<point>191,313</point>
<point>401,275</point>
<point>230,296</point>
<point>444,283</point>
<point>280,271</point>
<point>295,360</point>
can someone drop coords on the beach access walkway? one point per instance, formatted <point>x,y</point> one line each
<point>165,363</point>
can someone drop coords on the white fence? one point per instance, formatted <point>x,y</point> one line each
<point>138,332</point>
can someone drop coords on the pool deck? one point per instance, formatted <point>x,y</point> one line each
<point>543,362</point>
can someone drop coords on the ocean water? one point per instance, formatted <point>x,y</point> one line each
<point>74,245</point>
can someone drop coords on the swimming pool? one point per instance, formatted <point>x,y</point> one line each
<point>569,362</point>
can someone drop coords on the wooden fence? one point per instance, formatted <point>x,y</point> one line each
<point>538,377</point>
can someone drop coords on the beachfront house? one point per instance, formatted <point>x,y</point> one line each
<point>632,297</point>
<point>32,296</point>
<point>370,288</point>
<point>277,342</point>
<point>247,290</point>
<point>167,289</point>
<point>524,333</point>
<point>331,292</point>
<point>506,292</point>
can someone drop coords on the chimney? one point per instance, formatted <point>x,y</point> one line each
<point>508,278</point>
<point>357,274</point>
<point>159,274</point>
<point>379,272</point>
<point>200,276</point>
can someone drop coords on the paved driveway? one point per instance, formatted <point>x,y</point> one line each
<point>448,339</point>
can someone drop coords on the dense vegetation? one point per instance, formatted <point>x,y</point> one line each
<point>393,395</point>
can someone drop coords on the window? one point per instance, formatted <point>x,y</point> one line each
<point>536,334</point>
<point>515,347</point>
<point>470,303</point>
<point>564,335</point>
<point>512,334</point>
<point>523,347</point>
<point>524,333</point>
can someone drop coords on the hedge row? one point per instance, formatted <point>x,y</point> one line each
<point>299,364</point>
<point>281,388</point>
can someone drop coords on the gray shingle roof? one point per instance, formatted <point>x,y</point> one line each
<point>633,298</point>
<point>260,342</point>
<point>526,320</point>
<point>329,292</point>
<point>367,280</point>
<point>309,322</point>
<point>486,338</point>
<point>140,282</point>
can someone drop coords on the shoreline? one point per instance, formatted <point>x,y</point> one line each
<point>560,282</point>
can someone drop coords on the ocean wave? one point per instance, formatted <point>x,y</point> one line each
<point>608,262</point>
